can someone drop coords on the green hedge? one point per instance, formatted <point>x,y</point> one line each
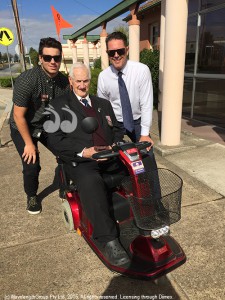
<point>151,59</point>
<point>6,81</point>
<point>94,81</point>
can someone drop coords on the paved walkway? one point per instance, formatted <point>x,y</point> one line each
<point>40,259</point>
<point>5,104</point>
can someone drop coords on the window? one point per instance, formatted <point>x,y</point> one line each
<point>192,6</point>
<point>209,102</point>
<point>210,3</point>
<point>187,96</point>
<point>212,43</point>
<point>191,44</point>
<point>154,36</point>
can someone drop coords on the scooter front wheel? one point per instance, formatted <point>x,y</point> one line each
<point>67,216</point>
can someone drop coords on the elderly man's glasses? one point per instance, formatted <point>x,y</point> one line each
<point>111,53</point>
<point>48,58</point>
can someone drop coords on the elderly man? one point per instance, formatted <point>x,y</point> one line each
<point>75,145</point>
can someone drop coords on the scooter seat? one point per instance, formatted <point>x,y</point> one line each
<point>111,180</point>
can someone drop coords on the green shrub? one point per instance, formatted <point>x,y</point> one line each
<point>97,63</point>
<point>94,81</point>
<point>151,59</point>
<point>6,81</point>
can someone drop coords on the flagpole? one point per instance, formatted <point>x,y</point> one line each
<point>60,23</point>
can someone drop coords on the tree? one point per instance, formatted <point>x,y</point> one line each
<point>151,59</point>
<point>33,56</point>
<point>124,29</point>
<point>16,58</point>
<point>4,57</point>
<point>97,63</point>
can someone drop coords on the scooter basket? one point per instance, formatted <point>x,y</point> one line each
<point>157,202</point>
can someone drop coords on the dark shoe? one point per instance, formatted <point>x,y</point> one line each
<point>33,205</point>
<point>115,254</point>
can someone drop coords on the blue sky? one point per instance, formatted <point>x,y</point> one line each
<point>37,21</point>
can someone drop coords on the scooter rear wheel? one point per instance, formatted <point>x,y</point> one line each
<point>67,216</point>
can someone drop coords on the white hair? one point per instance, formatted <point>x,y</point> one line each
<point>79,65</point>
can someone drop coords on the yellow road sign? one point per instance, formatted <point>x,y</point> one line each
<point>6,36</point>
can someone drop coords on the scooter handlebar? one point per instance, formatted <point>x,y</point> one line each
<point>105,154</point>
<point>114,153</point>
<point>142,145</point>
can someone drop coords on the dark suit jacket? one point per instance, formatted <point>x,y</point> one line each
<point>67,145</point>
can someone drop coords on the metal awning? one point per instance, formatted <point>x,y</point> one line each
<point>111,14</point>
<point>91,38</point>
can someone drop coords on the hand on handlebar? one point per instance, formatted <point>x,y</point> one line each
<point>147,138</point>
<point>102,148</point>
<point>88,152</point>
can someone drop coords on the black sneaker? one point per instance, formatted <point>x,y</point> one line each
<point>33,205</point>
<point>115,253</point>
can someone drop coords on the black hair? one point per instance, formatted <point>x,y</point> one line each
<point>116,35</point>
<point>49,43</point>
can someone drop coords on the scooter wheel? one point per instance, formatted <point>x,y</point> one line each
<point>67,216</point>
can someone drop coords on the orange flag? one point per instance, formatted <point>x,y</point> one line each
<point>59,21</point>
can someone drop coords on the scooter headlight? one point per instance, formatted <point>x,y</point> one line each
<point>155,234</point>
<point>165,230</point>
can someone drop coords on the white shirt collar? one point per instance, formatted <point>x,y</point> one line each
<point>80,98</point>
<point>123,70</point>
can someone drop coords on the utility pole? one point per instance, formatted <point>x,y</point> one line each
<point>19,35</point>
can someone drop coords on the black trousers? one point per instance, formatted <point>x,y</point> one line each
<point>88,177</point>
<point>30,171</point>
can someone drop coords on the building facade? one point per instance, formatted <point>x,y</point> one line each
<point>78,47</point>
<point>204,80</point>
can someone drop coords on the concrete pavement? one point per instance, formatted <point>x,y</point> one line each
<point>40,259</point>
<point>5,104</point>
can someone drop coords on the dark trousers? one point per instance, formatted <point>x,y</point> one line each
<point>30,171</point>
<point>88,177</point>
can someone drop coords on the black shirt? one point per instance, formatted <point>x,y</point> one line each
<point>34,89</point>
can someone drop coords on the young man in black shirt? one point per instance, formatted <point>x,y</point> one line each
<point>33,90</point>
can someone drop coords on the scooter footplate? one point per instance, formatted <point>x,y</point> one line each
<point>145,268</point>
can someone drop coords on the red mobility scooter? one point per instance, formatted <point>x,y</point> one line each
<point>143,215</point>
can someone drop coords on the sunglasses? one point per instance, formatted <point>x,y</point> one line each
<point>48,58</point>
<point>111,53</point>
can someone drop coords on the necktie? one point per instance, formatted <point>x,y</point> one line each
<point>85,102</point>
<point>128,121</point>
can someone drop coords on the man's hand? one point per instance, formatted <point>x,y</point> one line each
<point>146,138</point>
<point>88,152</point>
<point>30,153</point>
<point>102,148</point>
<point>30,150</point>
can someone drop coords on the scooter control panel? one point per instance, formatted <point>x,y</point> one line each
<point>132,154</point>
